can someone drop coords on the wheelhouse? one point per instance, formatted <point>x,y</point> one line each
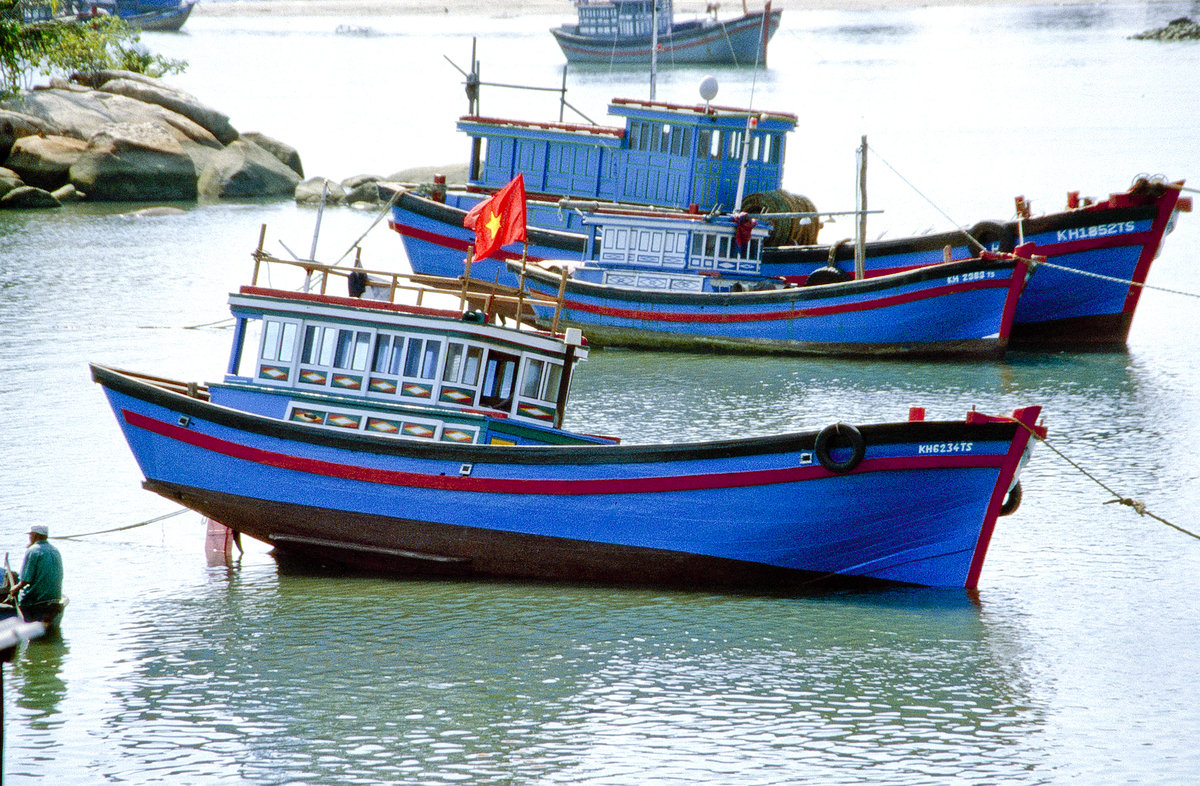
<point>666,155</point>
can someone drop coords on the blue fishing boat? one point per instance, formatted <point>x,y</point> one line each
<point>325,443</point>
<point>680,157</point>
<point>1098,254</point>
<point>635,32</point>
<point>153,15</point>
<point>691,282</point>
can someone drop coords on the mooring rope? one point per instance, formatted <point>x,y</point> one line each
<point>1114,279</point>
<point>120,529</point>
<point>1138,506</point>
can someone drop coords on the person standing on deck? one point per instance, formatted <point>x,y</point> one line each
<point>39,590</point>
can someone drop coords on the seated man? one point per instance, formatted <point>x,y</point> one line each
<point>39,591</point>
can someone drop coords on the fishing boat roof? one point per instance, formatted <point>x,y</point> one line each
<point>636,107</point>
<point>261,299</point>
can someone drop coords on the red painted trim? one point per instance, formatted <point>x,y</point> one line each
<point>762,316</point>
<point>336,300</point>
<point>1027,416</point>
<point>1166,207</point>
<point>604,486</point>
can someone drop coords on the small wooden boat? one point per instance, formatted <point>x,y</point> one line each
<point>635,32</point>
<point>401,438</point>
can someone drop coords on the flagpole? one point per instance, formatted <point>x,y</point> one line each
<point>521,290</point>
<point>467,276</point>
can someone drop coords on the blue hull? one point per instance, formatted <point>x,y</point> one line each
<point>741,41</point>
<point>1097,259</point>
<point>757,512</point>
<point>960,309</point>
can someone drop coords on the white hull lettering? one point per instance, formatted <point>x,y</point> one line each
<point>1097,230</point>
<point>945,447</point>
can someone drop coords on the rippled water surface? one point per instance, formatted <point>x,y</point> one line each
<point>1075,662</point>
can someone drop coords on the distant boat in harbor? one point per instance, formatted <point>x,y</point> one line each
<point>633,32</point>
<point>156,15</point>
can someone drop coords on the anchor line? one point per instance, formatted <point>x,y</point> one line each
<point>1138,506</point>
<point>120,529</point>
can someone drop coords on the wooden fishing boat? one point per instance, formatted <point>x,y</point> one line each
<point>690,282</point>
<point>635,32</point>
<point>307,445</point>
<point>1098,252</point>
<point>152,15</point>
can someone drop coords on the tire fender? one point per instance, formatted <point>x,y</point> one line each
<point>837,435</point>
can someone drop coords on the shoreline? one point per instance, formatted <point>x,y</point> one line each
<point>564,8</point>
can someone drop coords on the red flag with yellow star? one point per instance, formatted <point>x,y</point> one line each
<point>499,220</point>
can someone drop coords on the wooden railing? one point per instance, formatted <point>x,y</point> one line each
<point>492,299</point>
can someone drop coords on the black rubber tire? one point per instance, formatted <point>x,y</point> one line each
<point>1012,501</point>
<point>825,444</point>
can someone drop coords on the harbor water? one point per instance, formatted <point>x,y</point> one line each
<point>1075,662</point>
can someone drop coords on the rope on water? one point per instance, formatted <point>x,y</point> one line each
<point>127,526</point>
<point>1138,506</point>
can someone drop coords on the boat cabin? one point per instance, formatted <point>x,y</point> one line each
<point>666,155</point>
<point>394,370</point>
<point>616,19</point>
<point>675,252</point>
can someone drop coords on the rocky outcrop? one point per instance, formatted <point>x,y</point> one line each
<point>133,162</point>
<point>117,135</point>
<point>44,161</point>
<point>1181,29</point>
<point>176,101</point>
<point>285,153</point>
<point>309,192</point>
<point>243,169</point>
<point>28,198</point>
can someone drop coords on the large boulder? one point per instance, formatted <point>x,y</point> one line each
<point>95,79</point>
<point>14,125</point>
<point>8,182</point>
<point>83,114</point>
<point>135,162</point>
<point>45,161</point>
<point>244,169</point>
<point>309,192</point>
<point>28,198</point>
<point>176,101</point>
<point>284,152</point>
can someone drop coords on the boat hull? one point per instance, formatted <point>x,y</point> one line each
<point>959,310</point>
<point>758,512</point>
<point>741,41</point>
<point>1097,259</point>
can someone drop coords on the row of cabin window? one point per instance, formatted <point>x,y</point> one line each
<point>722,246</point>
<point>411,357</point>
<point>650,137</point>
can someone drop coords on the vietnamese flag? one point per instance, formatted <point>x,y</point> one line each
<point>499,220</point>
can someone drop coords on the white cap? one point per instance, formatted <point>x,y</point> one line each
<point>39,529</point>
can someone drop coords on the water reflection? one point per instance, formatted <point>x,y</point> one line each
<point>37,672</point>
<point>387,680</point>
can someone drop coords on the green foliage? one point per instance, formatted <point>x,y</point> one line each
<point>35,42</point>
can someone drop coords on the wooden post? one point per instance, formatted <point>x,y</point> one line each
<point>860,237</point>
<point>467,276</point>
<point>562,292</point>
<point>521,284</point>
<point>258,254</point>
<point>564,385</point>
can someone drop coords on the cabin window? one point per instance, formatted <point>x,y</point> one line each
<point>735,145</point>
<point>723,246</point>
<point>462,364</point>
<point>352,348</point>
<point>499,379</point>
<point>319,345</point>
<point>680,141</point>
<point>421,359</point>
<point>247,359</point>
<point>533,379</point>
<point>389,350</point>
<point>542,380</point>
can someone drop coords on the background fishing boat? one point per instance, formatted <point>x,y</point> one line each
<point>710,158</point>
<point>689,282</point>
<point>637,32</point>
<point>154,15</point>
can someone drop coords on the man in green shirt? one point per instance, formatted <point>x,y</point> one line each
<point>39,591</point>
